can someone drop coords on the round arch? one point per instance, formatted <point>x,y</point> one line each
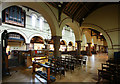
<point>36,40</point>
<point>87,35</point>
<point>33,35</point>
<point>100,29</point>
<point>64,42</point>
<point>70,43</point>
<point>74,25</point>
<point>43,10</point>
<point>19,32</point>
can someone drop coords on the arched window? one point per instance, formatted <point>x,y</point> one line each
<point>63,31</point>
<point>41,23</point>
<point>34,18</point>
<point>71,32</point>
<point>70,43</point>
<point>62,42</point>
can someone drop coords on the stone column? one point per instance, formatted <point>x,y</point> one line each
<point>89,49</point>
<point>99,46</point>
<point>102,48</point>
<point>73,48</point>
<point>66,49</point>
<point>56,40</point>
<point>95,48</point>
<point>105,49</point>
<point>78,48</point>
<point>47,46</point>
<point>27,46</point>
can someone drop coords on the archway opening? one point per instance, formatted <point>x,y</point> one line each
<point>16,42</point>
<point>37,43</point>
<point>62,45</point>
<point>97,40</point>
<point>50,43</point>
<point>69,36</point>
<point>70,46</point>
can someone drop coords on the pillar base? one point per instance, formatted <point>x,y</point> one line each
<point>89,54</point>
<point>94,52</point>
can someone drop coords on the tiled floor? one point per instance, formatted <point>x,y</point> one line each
<point>86,73</point>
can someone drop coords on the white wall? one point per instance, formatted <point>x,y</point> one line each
<point>29,31</point>
<point>68,36</point>
<point>84,42</point>
<point>17,46</point>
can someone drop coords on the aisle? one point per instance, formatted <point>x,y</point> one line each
<point>86,73</point>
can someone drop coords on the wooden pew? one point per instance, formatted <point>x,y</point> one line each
<point>43,75</point>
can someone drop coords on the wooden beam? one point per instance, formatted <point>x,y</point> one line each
<point>78,11</point>
<point>60,10</point>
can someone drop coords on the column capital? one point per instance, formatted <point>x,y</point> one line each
<point>100,45</point>
<point>78,41</point>
<point>27,43</point>
<point>53,37</point>
<point>89,43</point>
<point>105,46</point>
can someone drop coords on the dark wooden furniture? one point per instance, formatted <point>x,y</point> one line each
<point>43,75</point>
<point>110,71</point>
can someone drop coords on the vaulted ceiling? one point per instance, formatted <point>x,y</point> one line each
<point>78,11</point>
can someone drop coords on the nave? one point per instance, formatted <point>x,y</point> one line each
<point>81,73</point>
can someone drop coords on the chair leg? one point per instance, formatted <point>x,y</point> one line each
<point>99,78</point>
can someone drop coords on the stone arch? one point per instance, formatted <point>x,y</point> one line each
<point>19,32</point>
<point>33,35</point>
<point>88,35</point>
<point>105,21</point>
<point>64,41</point>
<point>71,43</point>
<point>100,29</point>
<point>43,10</point>
<point>38,37</point>
<point>74,25</point>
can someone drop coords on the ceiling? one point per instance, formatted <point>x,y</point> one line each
<point>78,11</point>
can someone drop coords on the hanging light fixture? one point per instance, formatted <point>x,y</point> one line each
<point>100,33</point>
